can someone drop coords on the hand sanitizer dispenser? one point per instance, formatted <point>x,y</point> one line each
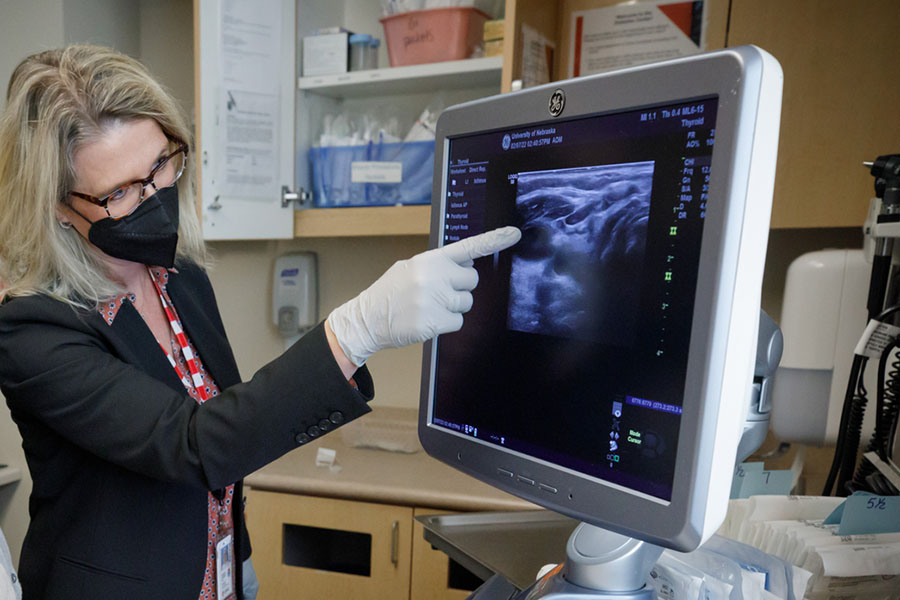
<point>295,305</point>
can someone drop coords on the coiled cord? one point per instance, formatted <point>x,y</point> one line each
<point>886,410</point>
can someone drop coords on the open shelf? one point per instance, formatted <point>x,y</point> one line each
<point>454,74</point>
<point>9,475</point>
<point>362,221</point>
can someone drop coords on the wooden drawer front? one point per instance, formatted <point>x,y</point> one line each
<point>434,575</point>
<point>307,547</point>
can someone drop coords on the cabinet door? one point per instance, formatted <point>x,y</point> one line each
<point>434,575</point>
<point>245,90</point>
<point>307,547</point>
<point>840,98</point>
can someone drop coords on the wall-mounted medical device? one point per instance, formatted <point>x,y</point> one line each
<point>823,315</point>
<point>295,297</point>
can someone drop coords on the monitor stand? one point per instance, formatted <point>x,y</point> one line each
<point>600,565</point>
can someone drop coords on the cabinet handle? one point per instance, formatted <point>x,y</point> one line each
<point>395,543</point>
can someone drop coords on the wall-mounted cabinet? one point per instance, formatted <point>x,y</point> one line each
<point>840,79</point>
<point>304,104</point>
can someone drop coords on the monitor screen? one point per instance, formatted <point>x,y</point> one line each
<point>605,368</point>
<point>597,294</point>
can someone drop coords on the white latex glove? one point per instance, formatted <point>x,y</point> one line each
<point>416,299</point>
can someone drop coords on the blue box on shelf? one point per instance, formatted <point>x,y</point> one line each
<point>375,174</point>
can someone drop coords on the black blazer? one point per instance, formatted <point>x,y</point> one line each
<point>122,458</point>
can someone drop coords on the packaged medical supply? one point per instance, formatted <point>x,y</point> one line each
<point>823,564</point>
<point>745,517</point>
<point>674,580</point>
<point>720,573</point>
<point>752,560</point>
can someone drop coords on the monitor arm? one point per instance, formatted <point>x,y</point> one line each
<point>769,346</point>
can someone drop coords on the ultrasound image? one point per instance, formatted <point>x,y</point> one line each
<point>576,273</point>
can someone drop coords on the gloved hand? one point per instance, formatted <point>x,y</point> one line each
<point>416,299</point>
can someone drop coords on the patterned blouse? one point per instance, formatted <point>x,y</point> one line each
<point>109,311</point>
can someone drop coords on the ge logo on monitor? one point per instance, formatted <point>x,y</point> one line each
<point>506,141</point>
<point>557,103</point>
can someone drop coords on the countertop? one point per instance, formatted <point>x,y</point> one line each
<point>373,475</point>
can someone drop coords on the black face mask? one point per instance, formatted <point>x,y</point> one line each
<point>149,235</point>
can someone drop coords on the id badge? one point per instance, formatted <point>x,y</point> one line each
<point>225,568</point>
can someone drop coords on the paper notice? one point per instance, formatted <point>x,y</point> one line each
<point>249,94</point>
<point>537,57</point>
<point>635,33</point>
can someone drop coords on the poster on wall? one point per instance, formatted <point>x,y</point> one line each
<point>249,97</point>
<point>635,33</point>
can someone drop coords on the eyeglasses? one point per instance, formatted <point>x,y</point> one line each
<point>125,199</point>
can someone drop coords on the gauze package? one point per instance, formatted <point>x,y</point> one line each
<point>761,509</point>
<point>722,575</point>
<point>674,580</point>
<point>775,570</point>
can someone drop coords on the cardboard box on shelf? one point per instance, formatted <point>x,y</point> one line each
<point>493,48</point>
<point>325,54</point>
<point>493,30</point>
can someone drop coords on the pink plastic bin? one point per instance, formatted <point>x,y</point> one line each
<point>439,34</point>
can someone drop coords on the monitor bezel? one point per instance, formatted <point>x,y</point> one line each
<point>734,77</point>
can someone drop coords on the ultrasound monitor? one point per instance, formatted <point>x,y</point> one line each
<point>605,368</point>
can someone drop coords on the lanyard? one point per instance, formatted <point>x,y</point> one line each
<point>196,380</point>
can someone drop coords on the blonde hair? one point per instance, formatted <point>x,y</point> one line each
<point>57,101</point>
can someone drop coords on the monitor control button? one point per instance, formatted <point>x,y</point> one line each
<point>504,473</point>
<point>525,480</point>
<point>548,488</point>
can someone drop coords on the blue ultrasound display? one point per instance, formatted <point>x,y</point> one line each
<point>553,358</point>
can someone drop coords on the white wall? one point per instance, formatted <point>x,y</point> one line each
<point>243,278</point>
<point>167,45</point>
<point>25,27</point>
<point>112,23</point>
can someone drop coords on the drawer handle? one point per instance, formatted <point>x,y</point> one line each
<point>395,543</point>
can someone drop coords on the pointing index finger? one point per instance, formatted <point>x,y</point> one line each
<point>484,244</point>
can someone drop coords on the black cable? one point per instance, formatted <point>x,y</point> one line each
<point>852,435</point>
<point>856,369</point>
<point>892,441</point>
<point>885,398</point>
<point>886,426</point>
<point>892,424</point>
<point>878,282</point>
<point>890,310</point>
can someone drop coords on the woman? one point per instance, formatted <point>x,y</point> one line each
<point>113,357</point>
